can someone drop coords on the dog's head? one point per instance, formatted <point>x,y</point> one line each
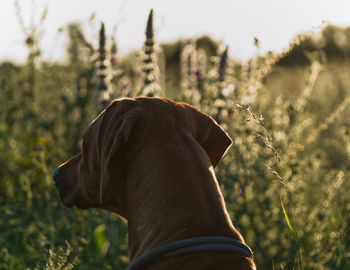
<point>96,177</point>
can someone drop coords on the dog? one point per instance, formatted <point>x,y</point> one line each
<point>150,161</point>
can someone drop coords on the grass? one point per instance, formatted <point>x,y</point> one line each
<point>291,140</point>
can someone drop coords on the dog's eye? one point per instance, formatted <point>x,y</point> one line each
<point>84,145</point>
<point>84,151</point>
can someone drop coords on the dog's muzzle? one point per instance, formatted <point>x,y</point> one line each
<point>76,197</point>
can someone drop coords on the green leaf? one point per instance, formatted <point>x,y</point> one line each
<point>288,221</point>
<point>102,243</point>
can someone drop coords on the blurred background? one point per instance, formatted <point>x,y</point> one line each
<point>275,22</point>
<point>275,75</point>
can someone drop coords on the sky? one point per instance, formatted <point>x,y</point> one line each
<point>234,22</point>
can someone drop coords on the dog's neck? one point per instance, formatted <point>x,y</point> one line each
<point>173,196</point>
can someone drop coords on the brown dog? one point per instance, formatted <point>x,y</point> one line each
<point>151,161</point>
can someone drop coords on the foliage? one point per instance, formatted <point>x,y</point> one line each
<point>332,39</point>
<point>285,178</point>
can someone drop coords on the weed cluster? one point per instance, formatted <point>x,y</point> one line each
<point>285,179</point>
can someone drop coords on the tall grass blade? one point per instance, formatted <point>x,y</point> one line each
<point>294,234</point>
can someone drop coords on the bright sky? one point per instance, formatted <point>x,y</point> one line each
<point>235,22</point>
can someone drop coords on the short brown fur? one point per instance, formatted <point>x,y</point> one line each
<point>151,161</point>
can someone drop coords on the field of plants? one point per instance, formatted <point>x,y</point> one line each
<point>286,178</point>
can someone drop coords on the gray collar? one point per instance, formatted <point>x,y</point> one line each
<point>192,245</point>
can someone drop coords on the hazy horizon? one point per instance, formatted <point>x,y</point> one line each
<point>275,23</point>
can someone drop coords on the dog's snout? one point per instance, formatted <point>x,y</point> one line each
<point>55,174</point>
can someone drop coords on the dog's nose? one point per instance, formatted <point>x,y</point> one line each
<point>55,174</point>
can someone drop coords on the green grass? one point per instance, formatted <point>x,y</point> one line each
<point>291,142</point>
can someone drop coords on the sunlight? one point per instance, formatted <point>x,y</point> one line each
<point>236,23</point>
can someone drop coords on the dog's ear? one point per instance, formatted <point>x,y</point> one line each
<point>209,135</point>
<point>116,132</point>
